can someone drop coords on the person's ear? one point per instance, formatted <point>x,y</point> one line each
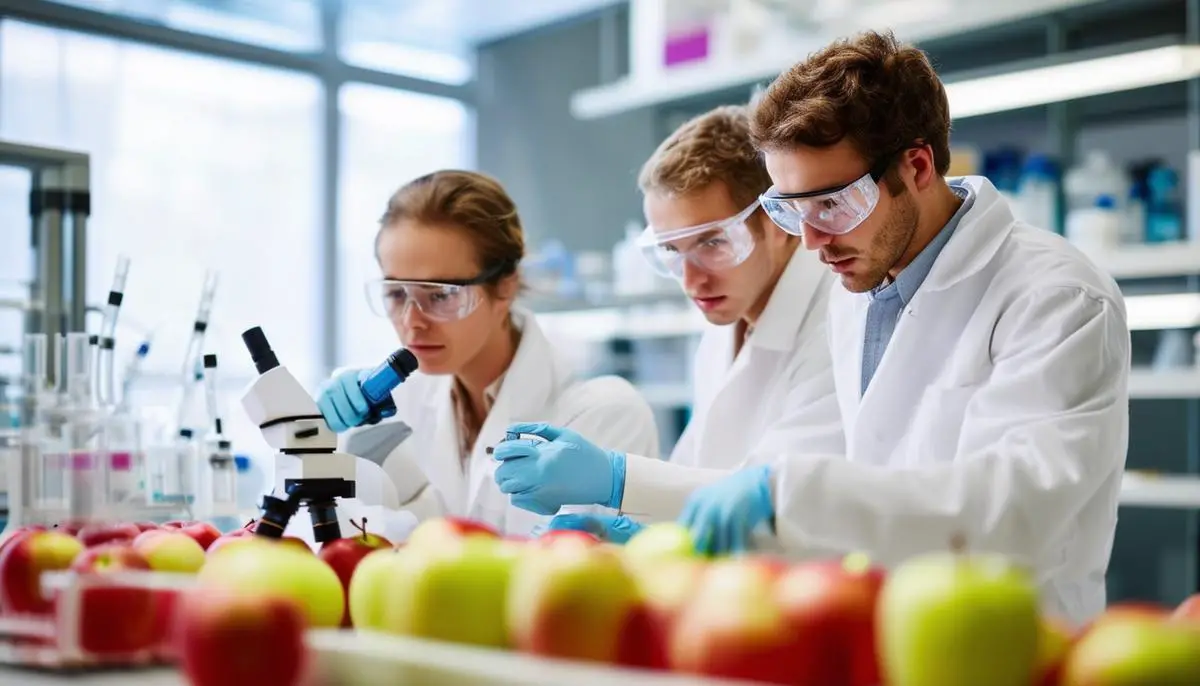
<point>508,287</point>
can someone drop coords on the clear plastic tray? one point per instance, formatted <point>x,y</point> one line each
<point>98,620</point>
<point>363,658</point>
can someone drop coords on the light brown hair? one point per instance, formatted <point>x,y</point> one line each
<point>468,201</point>
<point>712,147</point>
<point>881,95</point>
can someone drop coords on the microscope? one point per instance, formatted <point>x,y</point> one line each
<point>290,422</point>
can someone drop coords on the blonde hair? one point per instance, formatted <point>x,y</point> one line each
<point>712,147</point>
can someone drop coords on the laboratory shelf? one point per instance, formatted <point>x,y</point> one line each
<point>1174,383</point>
<point>1149,261</point>
<point>1164,491</point>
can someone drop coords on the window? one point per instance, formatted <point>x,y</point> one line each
<point>406,38</point>
<point>388,138</point>
<point>197,163</point>
<point>282,24</point>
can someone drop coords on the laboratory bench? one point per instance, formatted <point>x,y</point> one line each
<point>140,677</point>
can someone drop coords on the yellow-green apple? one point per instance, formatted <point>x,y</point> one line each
<point>832,606</point>
<point>574,601</point>
<point>554,535</point>
<point>226,637</point>
<point>949,618</point>
<point>100,533</point>
<point>367,595</point>
<point>21,565</point>
<point>1134,649</point>
<point>202,532</point>
<point>666,586</point>
<point>343,555</point>
<point>118,617</point>
<point>735,628</point>
<point>1188,610</point>
<point>442,530</point>
<point>1054,643</point>
<point>451,592</point>
<point>660,540</point>
<point>170,551</point>
<point>263,567</point>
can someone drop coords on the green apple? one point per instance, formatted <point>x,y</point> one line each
<point>367,595</point>
<point>284,570</point>
<point>947,619</point>
<point>661,540</point>
<point>449,592</point>
<point>1135,650</point>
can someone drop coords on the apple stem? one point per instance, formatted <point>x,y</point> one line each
<point>361,527</point>
<point>958,543</point>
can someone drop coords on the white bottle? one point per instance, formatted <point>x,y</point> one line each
<point>1097,228</point>
<point>1037,198</point>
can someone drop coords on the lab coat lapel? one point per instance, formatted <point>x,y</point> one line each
<point>441,463</point>
<point>524,396</point>
<point>847,321</point>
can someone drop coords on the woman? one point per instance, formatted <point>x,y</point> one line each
<point>449,246</point>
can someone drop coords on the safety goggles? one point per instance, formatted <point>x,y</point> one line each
<point>837,210</point>
<point>714,246</point>
<point>444,300</point>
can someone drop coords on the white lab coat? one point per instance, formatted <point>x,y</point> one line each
<point>999,411</point>
<point>778,395</point>
<point>539,386</point>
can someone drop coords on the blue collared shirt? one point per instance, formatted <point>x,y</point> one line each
<point>889,300</point>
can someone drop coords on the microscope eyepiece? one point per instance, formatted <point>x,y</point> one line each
<point>260,350</point>
<point>404,362</point>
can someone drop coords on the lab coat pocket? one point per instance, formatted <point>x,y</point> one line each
<point>937,426</point>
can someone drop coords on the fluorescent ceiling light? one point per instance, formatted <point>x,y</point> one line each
<point>1062,82</point>
<point>1170,311</point>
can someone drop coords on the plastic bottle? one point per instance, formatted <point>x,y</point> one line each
<point>1094,176</point>
<point>1164,211</point>
<point>1096,228</point>
<point>1037,197</point>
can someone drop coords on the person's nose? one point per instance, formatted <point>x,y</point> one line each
<point>693,277</point>
<point>815,239</point>
<point>412,318</point>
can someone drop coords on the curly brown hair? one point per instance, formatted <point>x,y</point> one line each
<point>872,90</point>
<point>709,148</point>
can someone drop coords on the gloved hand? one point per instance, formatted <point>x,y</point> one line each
<point>722,515</point>
<point>612,528</point>
<point>342,402</point>
<point>565,469</point>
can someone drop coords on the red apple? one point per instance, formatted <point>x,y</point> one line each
<point>10,536</point>
<point>832,606</point>
<point>1132,648</point>
<point>22,563</point>
<point>171,551</point>
<point>202,532</point>
<point>226,638</point>
<point>111,557</point>
<point>114,618</point>
<point>1127,610</point>
<point>666,587</point>
<point>176,524</point>
<point>146,526</point>
<point>734,627</point>
<point>344,554</point>
<point>100,533</point>
<point>1188,610</point>
<point>1054,644</point>
<point>226,539</point>
<point>440,530</point>
<point>553,535</point>
<point>70,526</point>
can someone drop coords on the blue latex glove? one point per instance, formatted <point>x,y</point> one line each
<point>341,401</point>
<point>722,515</point>
<point>564,469</point>
<point>612,528</point>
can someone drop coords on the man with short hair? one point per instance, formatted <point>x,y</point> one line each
<point>762,380</point>
<point>981,363</point>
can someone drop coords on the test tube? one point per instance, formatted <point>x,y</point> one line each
<point>224,480</point>
<point>86,456</point>
<point>108,328</point>
<point>192,358</point>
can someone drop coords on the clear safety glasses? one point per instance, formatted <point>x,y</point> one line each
<point>714,246</point>
<point>446,300</point>
<point>838,210</point>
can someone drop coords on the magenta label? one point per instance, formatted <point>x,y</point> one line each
<point>121,462</point>
<point>686,47</point>
<point>80,461</point>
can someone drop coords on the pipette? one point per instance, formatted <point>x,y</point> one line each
<point>133,371</point>
<point>191,361</point>
<point>108,328</point>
